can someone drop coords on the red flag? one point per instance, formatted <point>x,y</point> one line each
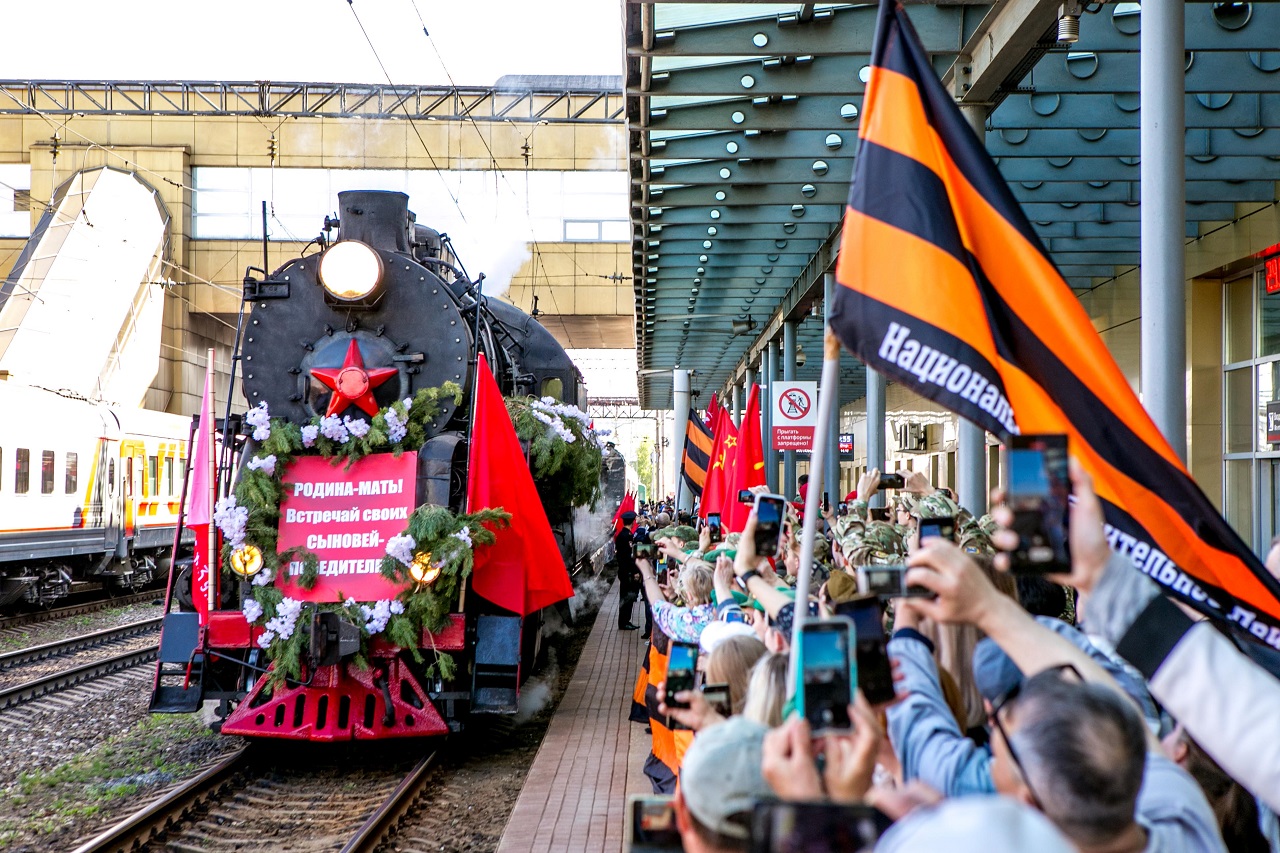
<point>713,410</point>
<point>628,504</point>
<point>199,511</point>
<point>723,451</point>
<point>748,465</point>
<point>522,571</point>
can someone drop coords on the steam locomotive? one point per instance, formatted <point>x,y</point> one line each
<point>383,311</point>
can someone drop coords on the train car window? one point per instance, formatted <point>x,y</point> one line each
<point>168,464</point>
<point>111,473</point>
<point>553,387</point>
<point>153,476</point>
<point>46,472</point>
<point>73,473</point>
<point>22,471</point>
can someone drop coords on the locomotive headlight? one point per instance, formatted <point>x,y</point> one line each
<point>350,271</point>
<point>422,570</point>
<point>246,561</point>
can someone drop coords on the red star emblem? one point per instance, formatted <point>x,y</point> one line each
<point>352,384</point>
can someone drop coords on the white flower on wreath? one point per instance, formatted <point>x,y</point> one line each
<point>259,418</point>
<point>396,426</point>
<point>232,520</point>
<point>402,548</point>
<point>358,428</point>
<point>464,536</point>
<point>252,610</point>
<point>333,428</point>
<point>286,618</point>
<point>265,464</point>
<point>309,434</point>
<point>264,577</point>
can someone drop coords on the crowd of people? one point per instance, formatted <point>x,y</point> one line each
<point>1081,711</point>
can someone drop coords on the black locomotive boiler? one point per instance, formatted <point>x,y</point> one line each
<point>380,313</point>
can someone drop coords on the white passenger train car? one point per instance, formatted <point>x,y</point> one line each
<point>89,493</point>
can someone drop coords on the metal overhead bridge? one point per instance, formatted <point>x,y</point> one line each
<point>743,128</point>
<point>593,100</point>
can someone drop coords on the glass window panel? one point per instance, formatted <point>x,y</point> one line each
<point>73,473</point>
<point>1238,501</point>
<point>1239,337</point>
<point>582,230</point>
<point>1268,319</point>
<point>1268,383</point>
<point>22,471</point>
<point>153,476</point>
<point>616,231</point>
<point>553,387</point>
<point>1240,411</point>
<point>46,472</point>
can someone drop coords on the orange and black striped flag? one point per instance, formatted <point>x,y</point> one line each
<point>948,290</point>
<point>698,439</point>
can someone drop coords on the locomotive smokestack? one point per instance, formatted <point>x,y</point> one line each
<point>381,219</point>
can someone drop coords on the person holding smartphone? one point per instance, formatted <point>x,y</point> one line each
<point>682,623</point>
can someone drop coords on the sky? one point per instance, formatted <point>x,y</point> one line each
<point>311,40</point>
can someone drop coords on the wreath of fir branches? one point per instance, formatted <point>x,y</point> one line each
<point>445,540</point>
<point>565,455</point>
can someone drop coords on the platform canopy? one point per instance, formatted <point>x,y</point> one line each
<point>743,123</point>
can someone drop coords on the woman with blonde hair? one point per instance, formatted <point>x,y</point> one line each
<point>731,662</point>
<point>767,690</point>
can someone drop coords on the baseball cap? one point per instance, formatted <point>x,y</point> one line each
<point>981,824</point>
<point>717,632</point>
<point>720,778</point>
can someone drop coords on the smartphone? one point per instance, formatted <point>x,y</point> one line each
<point>826,503</point>
<point>1038,495</point>
<point>842,508</point>
<point>893,480</point>
<point>682,662</point>
<point>889,582</point>
<point>875,675</point>
<point>713,523</point>
<point>770,513</point>
<point>943,527</point>
<point>878,513</point>
<point>651,825</point>
<point>745,496</point>
<point>826,666</point>
<point>816,827</point>
<point>717,696</point>
<point>645,549</point>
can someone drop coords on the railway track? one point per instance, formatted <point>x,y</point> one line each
<point>11,623</point>
<point>71,645</point>
<point>34,689</point>
<point>47,682</point>
<point>248,802</point>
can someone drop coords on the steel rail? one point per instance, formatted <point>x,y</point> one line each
<point>141,827</point>
<point>18,621</point>
<point>69,678</point>
<point>59,648</point>
<point>387,816</point>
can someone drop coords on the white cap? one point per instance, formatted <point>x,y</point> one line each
<point>717,632</point>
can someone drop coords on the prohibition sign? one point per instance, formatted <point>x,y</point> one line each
<point>794,404</point>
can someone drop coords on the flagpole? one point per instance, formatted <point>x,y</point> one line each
<point>214,568</point>
<point>828,391</point>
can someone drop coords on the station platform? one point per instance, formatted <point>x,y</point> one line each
<point>591,759</point>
